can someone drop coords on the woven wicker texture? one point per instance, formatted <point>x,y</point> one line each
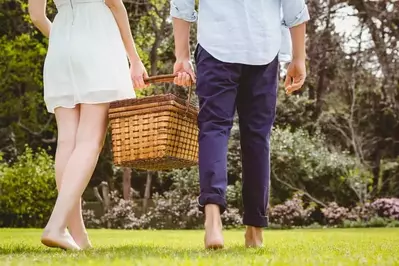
<point>154,133</point>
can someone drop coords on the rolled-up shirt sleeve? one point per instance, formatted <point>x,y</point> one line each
<point>183,9</point>
<point>295,12</point>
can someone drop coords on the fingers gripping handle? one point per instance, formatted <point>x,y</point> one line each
<point>160,79</point>
<point>169,78</point>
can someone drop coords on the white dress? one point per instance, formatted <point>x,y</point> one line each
<point>86,60</point>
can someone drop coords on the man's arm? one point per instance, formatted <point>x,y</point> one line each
<point>295,16</point>
<point>181,31</point>
<point>183,14</point>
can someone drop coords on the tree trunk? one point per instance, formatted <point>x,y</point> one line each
<point>147,192</point>
<point>127,177</point>
<point>104,199</point>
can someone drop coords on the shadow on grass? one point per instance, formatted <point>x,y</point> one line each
<point>137,251</point>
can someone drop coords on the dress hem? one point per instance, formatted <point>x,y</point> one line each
<point>52,109</point>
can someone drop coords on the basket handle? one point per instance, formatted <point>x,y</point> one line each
<point>160,78</point>
<point>169,78</point>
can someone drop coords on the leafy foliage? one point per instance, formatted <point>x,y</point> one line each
<point>27,190</point>
<point>303,162</point>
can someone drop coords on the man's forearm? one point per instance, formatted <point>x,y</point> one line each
<point>181,31</point>
<point>298,41</point>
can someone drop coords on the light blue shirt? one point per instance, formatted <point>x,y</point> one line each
<point>251,32</point>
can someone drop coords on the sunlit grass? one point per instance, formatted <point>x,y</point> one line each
<point>290,247</point>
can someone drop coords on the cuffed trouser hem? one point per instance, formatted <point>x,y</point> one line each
<point>256,220</point>
<point>208,198</point>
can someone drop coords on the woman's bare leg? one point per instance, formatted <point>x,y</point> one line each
<point>67,124</point>
<point>78,171</point>
<point>77,227</point>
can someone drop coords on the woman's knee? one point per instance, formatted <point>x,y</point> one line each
<point>92,126</point>
<point>66,141</point>
<point>93,144</point>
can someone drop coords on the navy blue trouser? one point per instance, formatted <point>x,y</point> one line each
<point>221,88</point>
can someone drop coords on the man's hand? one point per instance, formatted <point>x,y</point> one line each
<point>296,75</point>
<point>296,72</point>
<point>183,67</point>
<point>138,73</point>
<point>185,73</point>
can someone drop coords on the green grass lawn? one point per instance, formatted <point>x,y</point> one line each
<point>291,247</point>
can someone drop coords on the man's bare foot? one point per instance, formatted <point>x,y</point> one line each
<point>213,227</point>
<point>62,240</point>
<point>253,237</point>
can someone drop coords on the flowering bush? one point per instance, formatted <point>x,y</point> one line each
<point>91,221</point>
<point>176,211</point>
<point>334,214</point>
<point>232,218</point>
<point>363,213</point>
<point>387,208</point>
<point>121,214</point>
<point>173,210</point>
<point>291,213</point>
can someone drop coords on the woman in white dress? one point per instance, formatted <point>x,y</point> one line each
<point>86,68</point>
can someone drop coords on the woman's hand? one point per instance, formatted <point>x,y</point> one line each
<point>138,73</point>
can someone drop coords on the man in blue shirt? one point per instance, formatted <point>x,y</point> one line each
<point>237,59</point>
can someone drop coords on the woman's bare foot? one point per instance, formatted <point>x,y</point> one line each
<point>213,228</point>
<point>62,240</point>
<point>82,240</point>
<point>253,237</point>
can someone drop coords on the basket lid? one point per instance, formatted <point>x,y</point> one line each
<point>142,103</point>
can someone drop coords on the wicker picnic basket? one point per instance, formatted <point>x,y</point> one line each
<point>156,132</point>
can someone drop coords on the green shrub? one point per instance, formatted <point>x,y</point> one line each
<point>234,196</point>
<point>304,162</point>
<point>378,222</point>
<point>393,223</point>
<point>27,190</point>
<point>315,226</point>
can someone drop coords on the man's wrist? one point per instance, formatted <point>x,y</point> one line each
<point>184,58</point>
<point>183,54</point>
<point>299,57</point>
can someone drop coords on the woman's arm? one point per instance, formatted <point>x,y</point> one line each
<point>119,11</point>
<point>137,69</point>
<point>37,13</point>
